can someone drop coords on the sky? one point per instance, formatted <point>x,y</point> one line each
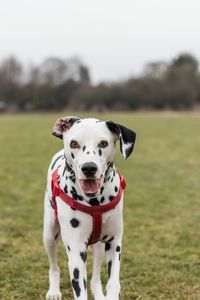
<point>114,38</point>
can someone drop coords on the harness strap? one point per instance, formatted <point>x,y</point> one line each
<point>96,232</point>
<point>95,211</point>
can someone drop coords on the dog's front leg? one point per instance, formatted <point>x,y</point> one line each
<point>113,256</point>
<point>51,236</point>
<point>95,284</point>
<point>77,256</point>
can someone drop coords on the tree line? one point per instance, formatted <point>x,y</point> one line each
<point>66,84</point>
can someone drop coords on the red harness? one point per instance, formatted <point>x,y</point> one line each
<point>95,211</point>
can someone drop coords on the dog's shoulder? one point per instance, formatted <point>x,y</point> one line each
<point>57,160</point>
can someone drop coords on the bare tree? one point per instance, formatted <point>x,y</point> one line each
<point>11,74</point>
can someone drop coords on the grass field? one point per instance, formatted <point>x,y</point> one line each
<point>161,246</point>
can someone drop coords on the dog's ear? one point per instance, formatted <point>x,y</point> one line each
<point>125,135</point>
<point>62,125</point>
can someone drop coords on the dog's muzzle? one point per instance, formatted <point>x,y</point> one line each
<point>90,185</point>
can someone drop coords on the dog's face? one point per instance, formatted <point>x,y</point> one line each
<point>89,146</point>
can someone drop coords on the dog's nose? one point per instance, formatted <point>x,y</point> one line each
<point>89,168</point>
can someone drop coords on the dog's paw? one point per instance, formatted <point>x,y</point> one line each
<point>112,296</point>
<point>99,297</point>
<point>53,295</point>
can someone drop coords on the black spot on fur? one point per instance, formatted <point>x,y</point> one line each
<point>94,202</point>
<point>109,268</point>
<point>79,197</point>
<point>100,152</point>
<point>72,121</point>
<point>119,256</point>
<point>74,193</point>
<point>68,247</point>
<point>108,163</point>
<point>66,189</point>
<point>83,256</point>
<point>110,240</point>
<point>112,179</point>
<point>84,283</point>
<point>79,121</point>
<point>102,188</point>
<point>51,203</point>
<point>73,208</point>
<point>76,273</point>
<point>64,171</point>
<point>107,246</point>
<point>118,248</point>
<point>74,222</point>
<point>72,178</point>
<point>104,237</point>
<point>72,155</point>
<point>94,152</point>
<point>102,199</point>
<point>111,198</point>
<point>56,236</point>
<point>88,152</point>
<point>68,168</point>
<point>84,148</point>
<point>76,287</point>
<point>116,188</point>
<point>56,161</point>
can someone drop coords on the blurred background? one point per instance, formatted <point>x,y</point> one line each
<point>99,55</point>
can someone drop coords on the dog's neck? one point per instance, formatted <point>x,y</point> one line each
<point>70,186</point>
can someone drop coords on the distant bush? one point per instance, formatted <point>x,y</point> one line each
<point>58,84</point>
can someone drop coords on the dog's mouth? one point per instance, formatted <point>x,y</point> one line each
<point>91,186</point>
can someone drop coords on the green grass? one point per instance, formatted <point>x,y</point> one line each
<point>161,246</point>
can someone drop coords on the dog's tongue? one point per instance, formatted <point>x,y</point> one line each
<point>90,186</point>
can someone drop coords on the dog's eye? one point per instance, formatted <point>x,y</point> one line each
<point>74,144</point>
<point>103,144</point>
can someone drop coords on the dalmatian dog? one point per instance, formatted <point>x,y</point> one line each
<point>86,173</point>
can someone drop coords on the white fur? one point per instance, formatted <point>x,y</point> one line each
<point>89,132</point>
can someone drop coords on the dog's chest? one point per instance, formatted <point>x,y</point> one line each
<point>79,225</point>
<point>74,221</point>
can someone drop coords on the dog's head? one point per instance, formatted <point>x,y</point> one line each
<point>89,146</point>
